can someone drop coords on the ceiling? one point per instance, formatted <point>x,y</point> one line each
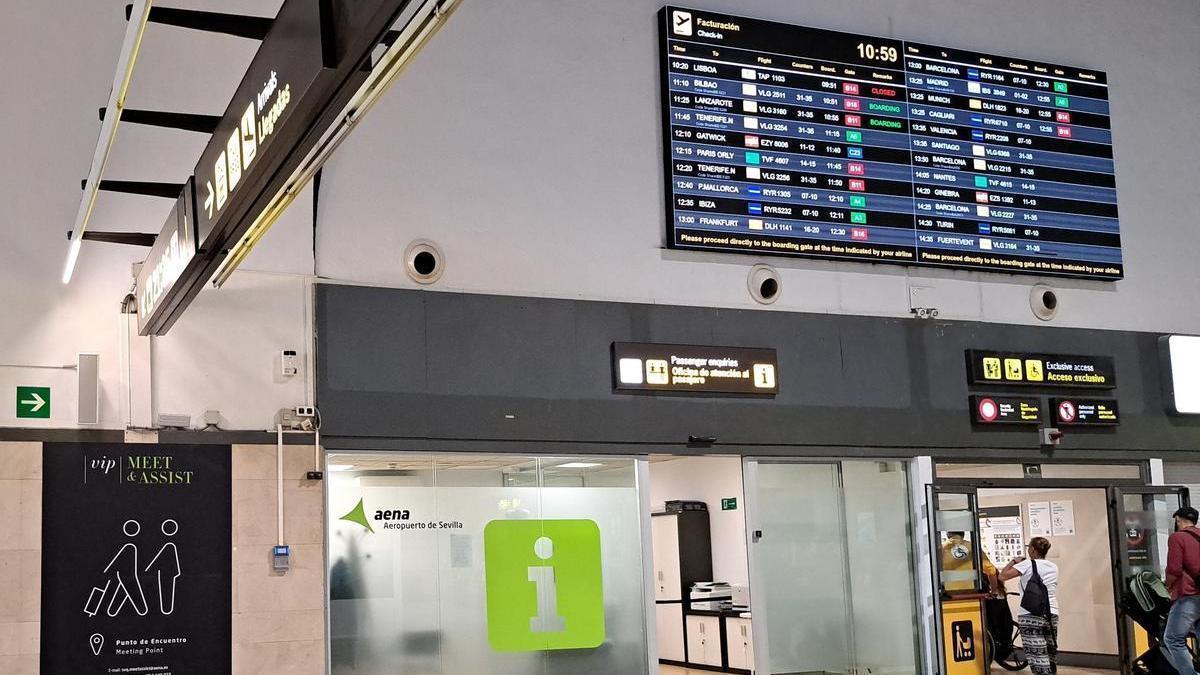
<point>60,59</point>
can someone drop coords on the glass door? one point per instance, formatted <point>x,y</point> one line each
<point>1141,521</point>
<point>959,579</point>
<point>954,528</point>
<point>831,567</point>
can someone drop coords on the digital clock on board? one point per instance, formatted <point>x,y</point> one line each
<point>883,53</point>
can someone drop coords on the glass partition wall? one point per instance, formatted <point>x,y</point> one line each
<point>500,564</point>
<point>831,567</point>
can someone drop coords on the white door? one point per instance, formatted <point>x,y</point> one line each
<point>739,643</point>
<point>704,640</point>
<point>665,532</point>
<point>669,624</point>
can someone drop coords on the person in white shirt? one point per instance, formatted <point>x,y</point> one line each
<point>1039,634</point>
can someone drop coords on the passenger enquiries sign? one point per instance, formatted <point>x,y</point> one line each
<point>694,369</point>
<point>136,559</point>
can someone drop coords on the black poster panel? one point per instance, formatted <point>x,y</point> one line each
<point>136,558</point>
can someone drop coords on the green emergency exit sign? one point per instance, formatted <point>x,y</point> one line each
<point>33,403</point>
<point>729,504</point>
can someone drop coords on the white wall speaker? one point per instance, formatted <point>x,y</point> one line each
<point>88,369</point>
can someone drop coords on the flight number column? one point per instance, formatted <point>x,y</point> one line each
<point>804,162</point>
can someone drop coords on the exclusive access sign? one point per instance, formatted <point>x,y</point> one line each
<point>1040,370</point>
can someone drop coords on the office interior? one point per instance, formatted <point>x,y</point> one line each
<point>699,564</point>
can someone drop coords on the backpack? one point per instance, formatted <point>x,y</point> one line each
<point>1035,599</point>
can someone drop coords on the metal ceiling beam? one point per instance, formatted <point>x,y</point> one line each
<point>239,25</point>
<point>205,124</point>
<point>128,238</point>
<point>139,187</point>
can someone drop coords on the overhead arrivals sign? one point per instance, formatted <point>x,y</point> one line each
<point>174,248</point>
<point>240,154</point>
<point>311,64</point>
<point>694,369</point>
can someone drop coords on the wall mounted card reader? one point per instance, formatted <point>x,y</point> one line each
<point>281,558</point>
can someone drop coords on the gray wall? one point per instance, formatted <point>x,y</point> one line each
<point>396,364</point>
<point>526,139</point>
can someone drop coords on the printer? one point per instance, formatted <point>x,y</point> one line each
<point>711,595</point>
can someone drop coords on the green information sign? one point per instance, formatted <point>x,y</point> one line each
<point>544,587</point>
<point>33,403</point>
<point>729,504</point>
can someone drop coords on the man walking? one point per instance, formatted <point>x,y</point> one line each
<point>1183,564</point>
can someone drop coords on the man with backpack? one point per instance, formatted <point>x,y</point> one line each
<point>1183,564</point>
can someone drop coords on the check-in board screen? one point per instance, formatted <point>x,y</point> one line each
<point>797,141</point>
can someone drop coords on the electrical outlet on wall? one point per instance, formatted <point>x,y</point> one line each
<point>287,363</point>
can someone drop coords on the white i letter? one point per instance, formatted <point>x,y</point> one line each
<point>547,619</point>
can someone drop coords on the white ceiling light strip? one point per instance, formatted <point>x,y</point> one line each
<point>108,130</point>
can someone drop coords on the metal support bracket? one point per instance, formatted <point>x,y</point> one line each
<point>238,25</point>
<point>128,238</point>
<point>205,124</point>
<point>139,187</point>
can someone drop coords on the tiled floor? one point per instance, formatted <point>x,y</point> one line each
<point>664,669</point>
<point>1067,670</point>
<point>675,670</point>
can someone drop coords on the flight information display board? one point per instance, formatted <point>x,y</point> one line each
<point>798,141</point>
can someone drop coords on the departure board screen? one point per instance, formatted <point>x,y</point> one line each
<point>797,141</point>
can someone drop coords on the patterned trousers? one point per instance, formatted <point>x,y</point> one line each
<point>1039,636</point>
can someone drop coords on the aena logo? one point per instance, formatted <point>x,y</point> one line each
<point>358,515</point>
<point>544,586</point>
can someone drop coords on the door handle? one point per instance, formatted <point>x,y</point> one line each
<point>757,535</point>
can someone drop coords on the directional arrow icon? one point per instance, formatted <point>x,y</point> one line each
<point>208,201</point>
<point>33,402</point>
